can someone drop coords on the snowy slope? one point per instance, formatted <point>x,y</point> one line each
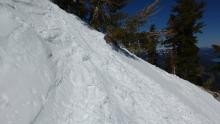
<point>56,70</point>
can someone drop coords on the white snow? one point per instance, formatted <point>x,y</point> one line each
<point>56,70</point>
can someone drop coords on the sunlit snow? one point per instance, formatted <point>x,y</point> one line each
<point>56,70</point>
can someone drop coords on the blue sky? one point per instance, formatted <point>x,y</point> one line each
<point>211,33</point>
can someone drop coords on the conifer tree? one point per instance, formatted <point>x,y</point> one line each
<point>105,16</point>
<point>153,40</point>
<point>217,66</point>
<point>99,14</point>
<point>184,24</point>
<point>129,35</point>
<point>105,13</point>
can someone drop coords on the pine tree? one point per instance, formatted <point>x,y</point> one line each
<point>105,16</point>
<point>105,13</point>
<point>183,25</point>
<point>99,14</point>
<point>153,40</point>
<point>171,44</point>
<point>217,66</point>
<point>129,35</point>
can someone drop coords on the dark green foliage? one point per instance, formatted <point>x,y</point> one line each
<point>214,72</point>
<point>183,25</point>
<point>104,14</point>
<point>100,14</point>
<point>216,68</point>
<point>120,29</point>
<point>209,83</point>
<point>153,40</point>
<point>129,35</point>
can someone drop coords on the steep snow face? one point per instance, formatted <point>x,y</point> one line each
<point>56,70</point>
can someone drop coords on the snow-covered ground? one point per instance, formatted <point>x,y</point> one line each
<point>56,70</point>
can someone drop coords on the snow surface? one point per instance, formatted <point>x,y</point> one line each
<point>56,70</point>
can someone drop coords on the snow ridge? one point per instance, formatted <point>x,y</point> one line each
<point>56,70</point>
